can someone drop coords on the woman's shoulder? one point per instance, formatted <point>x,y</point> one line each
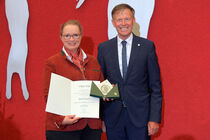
<point>91,57</point>
<point>56,57</point>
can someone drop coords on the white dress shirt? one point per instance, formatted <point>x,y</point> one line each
<point>128,50</point>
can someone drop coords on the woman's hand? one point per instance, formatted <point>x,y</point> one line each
<point>70,119</point>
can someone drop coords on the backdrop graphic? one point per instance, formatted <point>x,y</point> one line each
<point>17,16</point>
<point>180,30</point>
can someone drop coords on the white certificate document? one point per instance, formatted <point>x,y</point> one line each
<point>68,97</point>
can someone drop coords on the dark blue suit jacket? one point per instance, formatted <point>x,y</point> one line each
<point>141,90</point>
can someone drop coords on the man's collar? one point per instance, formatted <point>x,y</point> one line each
<point>129,39</point>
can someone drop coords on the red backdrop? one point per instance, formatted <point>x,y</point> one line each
<point>180,30</point>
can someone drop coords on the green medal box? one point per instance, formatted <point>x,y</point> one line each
<point>104,91</point>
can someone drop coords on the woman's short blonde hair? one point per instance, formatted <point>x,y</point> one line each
<point>71,22</point>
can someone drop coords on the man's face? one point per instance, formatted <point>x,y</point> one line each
<point>123,21</point>
<point>71,37</point>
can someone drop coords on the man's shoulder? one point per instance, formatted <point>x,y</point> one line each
<point>142,39</point>
<point>108,42</point>
<point>144,42</point>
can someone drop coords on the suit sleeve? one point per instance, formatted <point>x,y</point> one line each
<point>101,61</point>
<point>155,86</point>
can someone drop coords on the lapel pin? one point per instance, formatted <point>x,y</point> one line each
<point>139,45</point>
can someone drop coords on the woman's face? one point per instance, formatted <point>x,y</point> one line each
<point>71,37</point>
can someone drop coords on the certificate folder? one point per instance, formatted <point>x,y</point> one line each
<point>67,97</point>
<point>112,94</point>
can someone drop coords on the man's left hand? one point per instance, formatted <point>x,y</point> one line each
<point>153,128</point>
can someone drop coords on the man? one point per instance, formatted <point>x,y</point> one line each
<point>130,62</point>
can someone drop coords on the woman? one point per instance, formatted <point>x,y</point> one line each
<point>72,63</point>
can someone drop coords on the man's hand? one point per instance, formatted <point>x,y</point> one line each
<point>107,99</point>
<point>153,128</point>
<point>70,119</point>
